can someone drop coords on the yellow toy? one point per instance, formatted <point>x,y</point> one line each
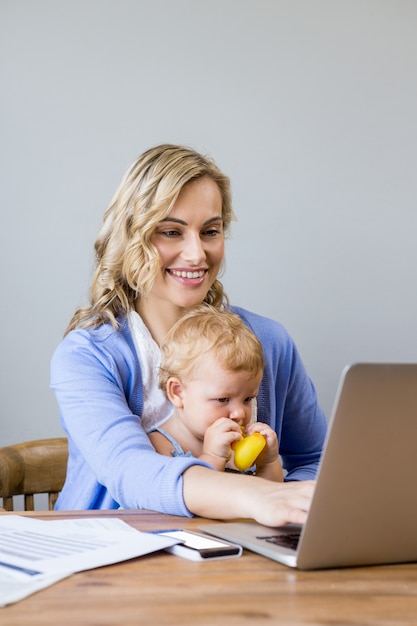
<point>247,450</point>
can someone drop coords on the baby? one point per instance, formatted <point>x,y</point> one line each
<point>211,369</point>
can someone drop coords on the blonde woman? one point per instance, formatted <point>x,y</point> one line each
<point>159,252</point>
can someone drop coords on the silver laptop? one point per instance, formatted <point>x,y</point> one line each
<point>364,507</point>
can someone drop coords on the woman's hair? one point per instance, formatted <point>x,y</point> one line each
<point>126,260</point>
<point>206,331</point>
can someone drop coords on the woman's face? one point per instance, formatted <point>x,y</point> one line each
<point>190,244</point>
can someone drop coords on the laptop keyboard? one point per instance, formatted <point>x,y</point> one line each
<point>289,540</point>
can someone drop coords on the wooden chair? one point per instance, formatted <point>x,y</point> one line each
<point>33,467</point>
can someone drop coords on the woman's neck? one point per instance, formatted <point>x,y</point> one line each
<point>158,320</point>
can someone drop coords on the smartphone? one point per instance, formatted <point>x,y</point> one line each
<point>199,547</point>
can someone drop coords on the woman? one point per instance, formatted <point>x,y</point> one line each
<point>159,252</point>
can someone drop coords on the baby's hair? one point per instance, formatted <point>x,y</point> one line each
<point>206,330</point>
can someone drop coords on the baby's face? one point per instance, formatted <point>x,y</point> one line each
<point>215,392</point>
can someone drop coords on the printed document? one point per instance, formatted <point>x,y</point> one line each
<point>35,554</point>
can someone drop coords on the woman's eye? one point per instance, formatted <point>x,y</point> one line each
<point>170,233</point>
<point>212,232</point>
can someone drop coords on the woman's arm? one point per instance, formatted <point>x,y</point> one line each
<point>97,381</point>
<point>219,495</point>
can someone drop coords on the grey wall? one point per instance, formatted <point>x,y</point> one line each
<point>310,107</point>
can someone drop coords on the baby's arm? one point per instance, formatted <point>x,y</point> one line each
<point>268,464</point>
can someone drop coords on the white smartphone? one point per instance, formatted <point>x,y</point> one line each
<point>199,547</point>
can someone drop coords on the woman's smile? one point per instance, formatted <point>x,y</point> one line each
<point>188,277</point>
<point>187,273</point>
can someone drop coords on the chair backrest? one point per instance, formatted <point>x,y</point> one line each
<point>33,467</point>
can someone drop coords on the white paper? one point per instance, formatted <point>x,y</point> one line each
<point>35,554</point>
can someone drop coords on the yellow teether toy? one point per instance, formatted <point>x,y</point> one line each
<point>247,450</point>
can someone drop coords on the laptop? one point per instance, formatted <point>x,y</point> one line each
<point>364,507</point>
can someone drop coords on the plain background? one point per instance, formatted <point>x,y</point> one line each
<point>308,105</point>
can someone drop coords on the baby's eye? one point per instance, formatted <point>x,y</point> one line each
<point>249,399</point>
<point>222,400</point>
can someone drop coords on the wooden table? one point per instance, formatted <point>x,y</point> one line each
<point>164,589</point>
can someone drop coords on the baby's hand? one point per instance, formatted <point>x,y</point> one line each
<point>218,440</point>
<point>269,455</point>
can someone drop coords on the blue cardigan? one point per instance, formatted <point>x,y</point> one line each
<point>96,376</point>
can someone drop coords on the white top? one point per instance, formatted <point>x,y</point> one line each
<point>156,407</point>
